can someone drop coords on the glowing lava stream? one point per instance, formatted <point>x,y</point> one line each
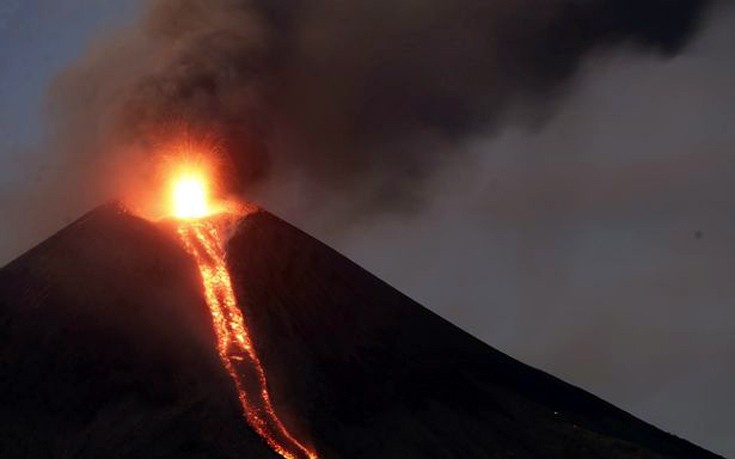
<point>202,235</point>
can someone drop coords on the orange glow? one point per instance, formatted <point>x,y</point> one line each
<point>201,224</point>
<point>190,189</point>
<point>184,170</point>
<point>190,195</point>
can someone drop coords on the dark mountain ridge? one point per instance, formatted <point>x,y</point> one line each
<point>107,350</point>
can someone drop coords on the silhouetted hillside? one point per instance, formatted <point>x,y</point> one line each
<point>107,350</point>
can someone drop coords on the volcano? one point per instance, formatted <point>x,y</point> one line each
<point>107,350</point>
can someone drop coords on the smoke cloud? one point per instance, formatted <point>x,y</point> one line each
<point>349,104</point>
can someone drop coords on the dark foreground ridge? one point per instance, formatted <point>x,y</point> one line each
<point>107,350</point>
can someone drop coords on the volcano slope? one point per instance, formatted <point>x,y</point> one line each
<point>107,350</point>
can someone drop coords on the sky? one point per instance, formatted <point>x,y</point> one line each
<point>597,246</point>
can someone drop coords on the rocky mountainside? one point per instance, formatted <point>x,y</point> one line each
<point>107,350</point>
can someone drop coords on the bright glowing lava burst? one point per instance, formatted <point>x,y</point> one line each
<point>201,224</point>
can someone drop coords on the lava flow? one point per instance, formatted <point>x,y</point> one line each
<point>201,226</point>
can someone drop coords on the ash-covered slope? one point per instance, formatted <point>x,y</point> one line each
<point>107,350</point>
<point>375,375</point>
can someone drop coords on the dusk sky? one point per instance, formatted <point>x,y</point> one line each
<point>597,243</point>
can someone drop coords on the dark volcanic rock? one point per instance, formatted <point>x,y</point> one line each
<point>107,350</point>
<point>375,375</point>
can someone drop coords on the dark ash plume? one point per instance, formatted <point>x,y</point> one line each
<point>361,98</point>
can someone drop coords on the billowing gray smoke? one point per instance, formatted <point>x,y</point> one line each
<point>360,98</point>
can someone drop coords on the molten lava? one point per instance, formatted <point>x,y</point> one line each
<point>190,189</point>
<point>201,227</point>
<point>189,198</point>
